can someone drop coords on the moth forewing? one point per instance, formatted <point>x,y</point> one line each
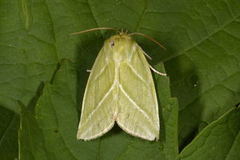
<point>137,97</point>
<point>96,116</point>
<point>120,88</point>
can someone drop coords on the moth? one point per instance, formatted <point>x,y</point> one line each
<point>120,89</point>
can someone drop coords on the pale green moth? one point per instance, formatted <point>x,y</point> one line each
<point>120,89</point>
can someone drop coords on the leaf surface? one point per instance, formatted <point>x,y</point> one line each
<point>202,61</point>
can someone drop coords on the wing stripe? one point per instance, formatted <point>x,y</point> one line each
<point>101,72</point>
<point>135,72</point>
<point>134,103</point>
<point>100,102</point>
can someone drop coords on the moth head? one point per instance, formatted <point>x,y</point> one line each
<point>119,42</point>
<point>121,39</point>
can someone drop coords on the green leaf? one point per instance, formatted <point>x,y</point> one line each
<point>28,50</point>
<point>202,61</point>
<point>57,119</point>
<point>205,72</point>
<point>220,140</point>
<point>31,139</point>
<point>9,124</point>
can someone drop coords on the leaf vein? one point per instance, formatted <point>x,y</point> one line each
<point>203,39</point>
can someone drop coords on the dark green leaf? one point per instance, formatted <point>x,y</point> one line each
<point>31,139</point>
<point>9,125</point>
<point>56,115</point>
<point>220,140</point>
<point>202,60</point>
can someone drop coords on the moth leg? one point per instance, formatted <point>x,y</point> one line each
<point>156,71</point>
<point>147,55</point>
<point>89,70</point>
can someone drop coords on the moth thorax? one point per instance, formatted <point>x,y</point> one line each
<point>118,56</point>
<point>122,54</point>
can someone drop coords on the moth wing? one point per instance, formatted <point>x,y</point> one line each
<point>98,107</point>
<point>138,106</point>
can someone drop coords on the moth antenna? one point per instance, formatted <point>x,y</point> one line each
<point>149,38</point>
<point>156,71</point>
<point>94,29</point>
